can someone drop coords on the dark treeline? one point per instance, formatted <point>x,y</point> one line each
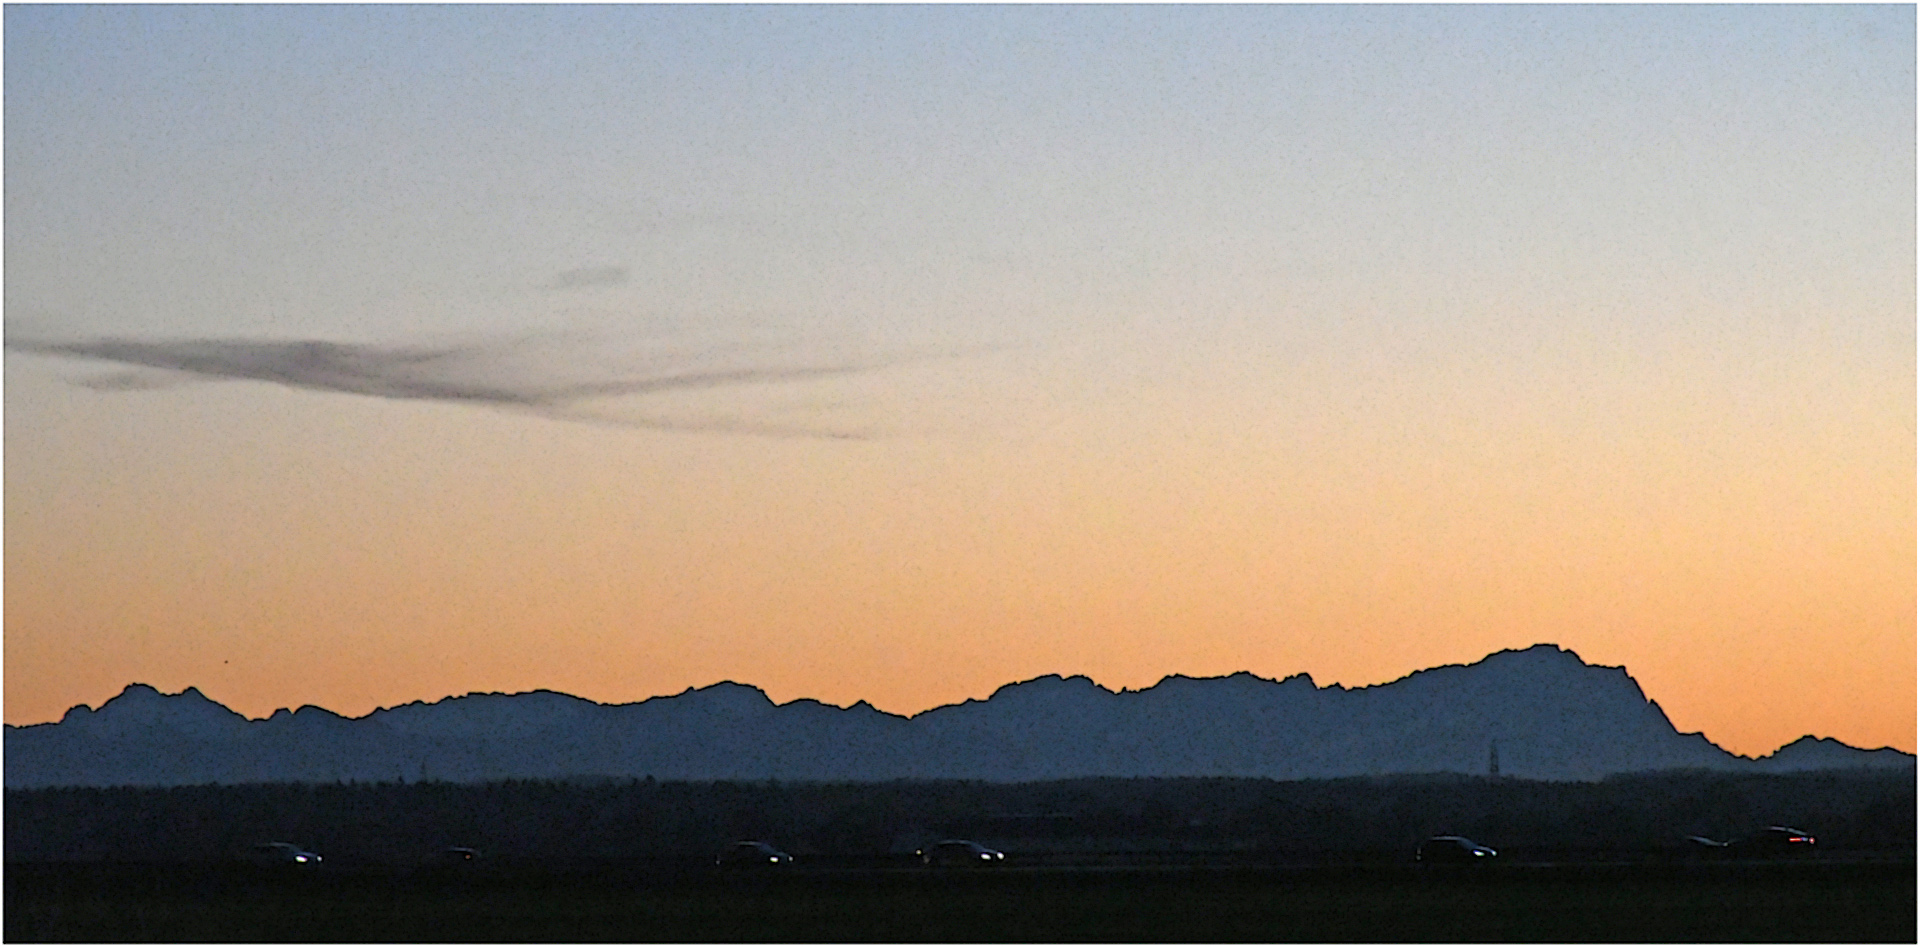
<point>395,823</point>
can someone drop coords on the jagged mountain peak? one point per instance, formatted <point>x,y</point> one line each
<point>1550,658</point>
<point>482,698</point>
<point>1543,649</point>
<point>723,698</point>
<point>308,717</point>
<point>1542,664</point>
<point>492,704</point>
<point>145,698</point>
<point>857,708</point>
<point>147,695</point>
<point>1050,680</point>
<point>143,708</point>
<point>730,690</point>
<point>1537,656</point>
<point>1811,752</point>
<point>1237,677</point>
<point>1241,683</point>
<point>1052,683</point>
<point>490,714</point>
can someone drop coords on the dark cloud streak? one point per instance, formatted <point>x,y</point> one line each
<point>135,380</point>
<point>589,277</point>
<point>531,374</point>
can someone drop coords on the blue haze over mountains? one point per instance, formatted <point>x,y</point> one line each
<point>1552,715</point>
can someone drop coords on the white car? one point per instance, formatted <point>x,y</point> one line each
<point>959,853</point>
<point>753,855</point>
<point>281,853</point>
<point>1453,850</point>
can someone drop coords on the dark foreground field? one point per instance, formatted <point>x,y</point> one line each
<point>1809,901</point>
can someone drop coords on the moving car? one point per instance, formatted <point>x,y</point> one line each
<point>281,853</point>
<point>1775,840</point>
<point>752,855</point>
<point>959,853</point>
<point>1452,850</point>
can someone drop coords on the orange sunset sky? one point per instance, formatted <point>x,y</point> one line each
<point>898,353</point>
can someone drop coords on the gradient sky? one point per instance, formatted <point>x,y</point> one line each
<point>898,353</point>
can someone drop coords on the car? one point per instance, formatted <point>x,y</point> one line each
<point>1452,850</point>
<point>1775,840</point>
<point>457,855</point>
<point>959,853</point>
<point>271,854</point>
<point>752,855</point>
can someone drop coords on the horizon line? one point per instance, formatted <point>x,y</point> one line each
<point>1064,678</point>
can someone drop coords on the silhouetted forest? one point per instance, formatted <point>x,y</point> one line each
<point>591,820</point>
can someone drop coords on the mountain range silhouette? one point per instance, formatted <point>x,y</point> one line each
<point>1551,715</point>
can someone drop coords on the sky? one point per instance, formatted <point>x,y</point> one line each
<point>364,355</point>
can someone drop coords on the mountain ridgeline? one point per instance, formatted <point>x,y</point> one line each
<point>1550,715</point>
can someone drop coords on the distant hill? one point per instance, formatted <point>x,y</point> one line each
<point>1551,715</point>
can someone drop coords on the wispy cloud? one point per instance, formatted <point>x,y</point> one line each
<point>587,278</point>
<point>135,380</point>
<point>570,377</point>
